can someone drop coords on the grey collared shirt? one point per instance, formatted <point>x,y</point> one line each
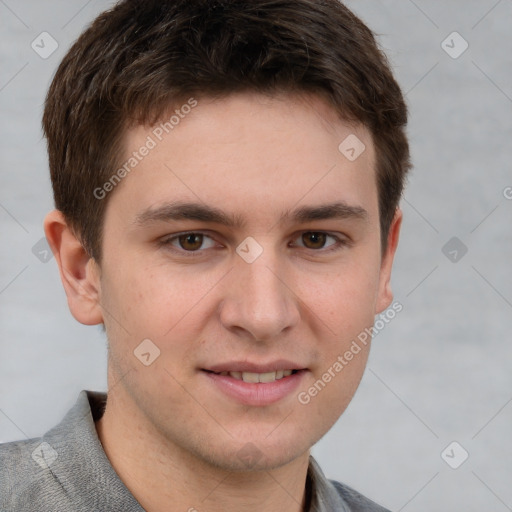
<point>67,470</point>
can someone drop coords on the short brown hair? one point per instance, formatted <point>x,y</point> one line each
<point>140,57</point>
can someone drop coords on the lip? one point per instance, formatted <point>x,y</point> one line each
<point>256,394</point>
<point>245,366</point>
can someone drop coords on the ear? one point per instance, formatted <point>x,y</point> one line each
<point>385,294</point>
<point>79,272</point>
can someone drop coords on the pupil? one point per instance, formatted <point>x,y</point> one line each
<point>317,239</point>
<point>191,242</point>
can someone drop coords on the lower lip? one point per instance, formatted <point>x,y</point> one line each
<point>260,393</point>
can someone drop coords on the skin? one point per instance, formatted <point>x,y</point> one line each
<point>170,434</point>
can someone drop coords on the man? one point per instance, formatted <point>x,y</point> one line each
<point>227,177</point>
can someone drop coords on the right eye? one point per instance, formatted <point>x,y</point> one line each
<point>191,242</point>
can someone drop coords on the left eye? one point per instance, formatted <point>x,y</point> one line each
<point>190,242</point>
<point>316,239</point>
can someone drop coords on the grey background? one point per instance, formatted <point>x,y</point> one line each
<point>439,372</point>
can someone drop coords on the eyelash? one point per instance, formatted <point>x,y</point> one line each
<point>339,244</point>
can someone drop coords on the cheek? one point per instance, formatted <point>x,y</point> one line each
<point>149,301</point>
<point>344,301</point>
<point>147,305</point>
<point>332,385</point>
<point>343,306</point>
<point>169,308</point>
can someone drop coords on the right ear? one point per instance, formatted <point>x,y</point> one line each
<point>79,273</point>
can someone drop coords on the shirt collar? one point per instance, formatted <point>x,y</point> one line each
<point>324,496</point>
<point>82,468</point>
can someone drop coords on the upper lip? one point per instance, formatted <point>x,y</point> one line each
<point>246,366</point>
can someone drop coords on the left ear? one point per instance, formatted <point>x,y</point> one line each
<point>385,294</point>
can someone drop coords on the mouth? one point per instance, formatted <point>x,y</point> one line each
<point>256,385</point>
<point>254,378</point>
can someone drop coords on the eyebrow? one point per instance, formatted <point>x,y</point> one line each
<point>204,213</point>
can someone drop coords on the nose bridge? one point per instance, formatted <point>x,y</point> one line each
<point>260,301</point>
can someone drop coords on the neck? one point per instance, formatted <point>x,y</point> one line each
<point>163,476</point>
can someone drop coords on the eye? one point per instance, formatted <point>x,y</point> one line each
<point>189,242</point>
<point>317,240</point>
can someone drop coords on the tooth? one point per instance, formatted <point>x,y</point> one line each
<point>250,377</point>
<point>254,378</point>
<point>224,374</point>
<point>268,377</point>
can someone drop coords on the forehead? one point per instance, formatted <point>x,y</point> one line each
<point>250,152</point>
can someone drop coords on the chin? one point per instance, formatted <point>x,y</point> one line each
<point>256,453</point>
<point>249,458</point>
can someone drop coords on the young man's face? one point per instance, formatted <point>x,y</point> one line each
<point>212,303</point>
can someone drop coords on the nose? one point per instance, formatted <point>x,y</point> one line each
<point>259,299</point>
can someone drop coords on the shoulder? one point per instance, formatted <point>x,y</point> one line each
<point>22,473</point>
<point>356,501</point>
<point>15,462</point>
<point>329,495</point>
<point>46,473</point>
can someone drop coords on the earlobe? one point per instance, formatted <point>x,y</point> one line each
<point>78,271</point>
<point>385,295</point>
